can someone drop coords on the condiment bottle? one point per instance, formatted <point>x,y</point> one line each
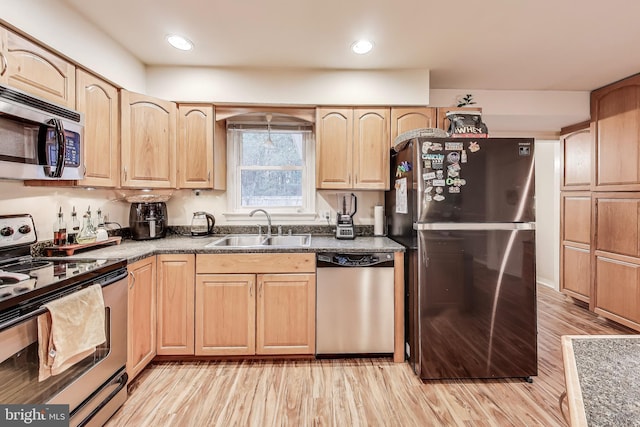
<point>59,230</point>
<point>87,235</point>
<point>72,234</point>
<point>101,231</point>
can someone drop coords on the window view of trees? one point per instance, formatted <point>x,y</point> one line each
<point>271,168</point>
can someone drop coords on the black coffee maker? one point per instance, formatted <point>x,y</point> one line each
<point>148,220</point>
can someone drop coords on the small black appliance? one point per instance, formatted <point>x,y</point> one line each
<point>148,220</point>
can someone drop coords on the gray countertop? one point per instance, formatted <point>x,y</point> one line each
<point>134,250</point>
<point>603,379</point>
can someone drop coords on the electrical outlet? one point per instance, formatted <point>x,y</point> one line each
<point>325,215</point>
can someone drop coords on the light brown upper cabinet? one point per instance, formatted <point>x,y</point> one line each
<point>148,141</point>
<point>352,148</point>
<point>615,111</point>
<point>195,146</point>
<point>27,66</point>
<point>404,119</point>
<point>441,115</point>
<point>576,143</point>
<point>98,101</point>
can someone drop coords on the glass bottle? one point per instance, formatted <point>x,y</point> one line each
<point>101,231</point>
<point>59,230</point>
<point>72,234</point>
<point>87,235</point>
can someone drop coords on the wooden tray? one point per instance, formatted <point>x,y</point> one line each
<point>71,249</point>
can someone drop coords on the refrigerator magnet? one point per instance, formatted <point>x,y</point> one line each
<point>454,190</point>
<point>474,146</point>
<point>453,146</point>
<point>428,175</point>
<point>438,197</point>
<point>453,157</point>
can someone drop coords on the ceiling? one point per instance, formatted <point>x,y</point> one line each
<point>467,44</point>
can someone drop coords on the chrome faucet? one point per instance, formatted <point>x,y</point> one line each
<point>268,219</point>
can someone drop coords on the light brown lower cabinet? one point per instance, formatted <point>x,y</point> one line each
<point>141,319</point>
<point>616,257</point>
<point>247,314</point>
<point>176,288</point>
<point>248,304</point>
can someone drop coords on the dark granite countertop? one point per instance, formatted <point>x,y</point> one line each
<point>135,250</point>
<point>603,379</point>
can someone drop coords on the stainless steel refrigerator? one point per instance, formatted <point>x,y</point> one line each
<point>465,209</point>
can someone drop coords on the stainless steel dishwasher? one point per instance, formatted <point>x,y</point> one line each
<point>354,313</point>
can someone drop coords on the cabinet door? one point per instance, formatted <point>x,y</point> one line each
<point>334,148</point>
<point>98,100</point>
<point>141,321</point>
<point>406,119</point>
<point>576,143</point>
<point>618,291</point>
<point>195,146</point>
<point>286,314</point>
<point>575,252</point>
<point>148,141</point>
<point>33,69</point>
<point>225,314</point>
<point>576,272</point>
<point>176,304</point>
<point>617,218</point>
<point>615,110</point>
<point>371,148</point>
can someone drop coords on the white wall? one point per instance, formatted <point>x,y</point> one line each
<point>62,29</point>
<point>43,204</point>
<point>547,155</point>
<point>293,87</point>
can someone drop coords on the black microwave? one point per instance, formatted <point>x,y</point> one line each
<point>39,139</point>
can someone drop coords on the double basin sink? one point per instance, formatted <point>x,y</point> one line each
<point>257,240</point>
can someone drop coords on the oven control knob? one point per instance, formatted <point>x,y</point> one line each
<point>6,231</point>
<point>25,229</point>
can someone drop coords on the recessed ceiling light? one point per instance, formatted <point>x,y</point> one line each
<point>179,42</point>
<point>362,46</point>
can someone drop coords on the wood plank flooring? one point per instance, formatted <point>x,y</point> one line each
<point>358,392</point>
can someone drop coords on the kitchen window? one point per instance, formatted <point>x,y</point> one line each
<point>271,166</point>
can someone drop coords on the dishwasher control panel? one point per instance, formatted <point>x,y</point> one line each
<point>331,259</point>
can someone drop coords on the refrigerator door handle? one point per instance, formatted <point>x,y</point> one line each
<point>474,226</point>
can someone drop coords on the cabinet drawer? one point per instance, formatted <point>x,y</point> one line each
<point>256,263</point>
<point>618,291</point>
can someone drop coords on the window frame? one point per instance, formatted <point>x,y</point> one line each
<point>236,212</point>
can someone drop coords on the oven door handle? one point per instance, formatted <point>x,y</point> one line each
<point>41,310</point>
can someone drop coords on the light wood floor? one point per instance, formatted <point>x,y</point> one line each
<point>357,392</point>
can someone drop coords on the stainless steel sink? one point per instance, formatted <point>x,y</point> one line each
<point>239,241</point>
<point>292,240</point>
<point>254,240</point>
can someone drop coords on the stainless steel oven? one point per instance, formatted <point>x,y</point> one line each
<point>87,386</point>
<point>38,139</point>
<point>94,387</point>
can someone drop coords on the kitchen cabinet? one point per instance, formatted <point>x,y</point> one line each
<point>196,147</point>
<point>441,115</point>
<point>352,148</point>
<point>260,304</point>
<point>575,149</point>
<point>29,67</point>
<point>615,112</point>
<point>575,246</point>
<point>148,142</point>
<point>99,102</point>
<point>404,119</point>
<point>176,304</point>
<point>141,319</point>
<point>225,314</point>
<point>616,257</point>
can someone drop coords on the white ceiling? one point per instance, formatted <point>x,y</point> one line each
<point>467,44</point>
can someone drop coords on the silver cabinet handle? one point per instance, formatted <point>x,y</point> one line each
<point>124,171</point>
<point>209,176</point>
<point>133,280</point>
<point>251,290</point>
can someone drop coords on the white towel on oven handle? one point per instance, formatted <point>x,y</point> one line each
<point>70,330</point>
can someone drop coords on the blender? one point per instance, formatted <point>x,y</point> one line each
<point>347,208</point>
